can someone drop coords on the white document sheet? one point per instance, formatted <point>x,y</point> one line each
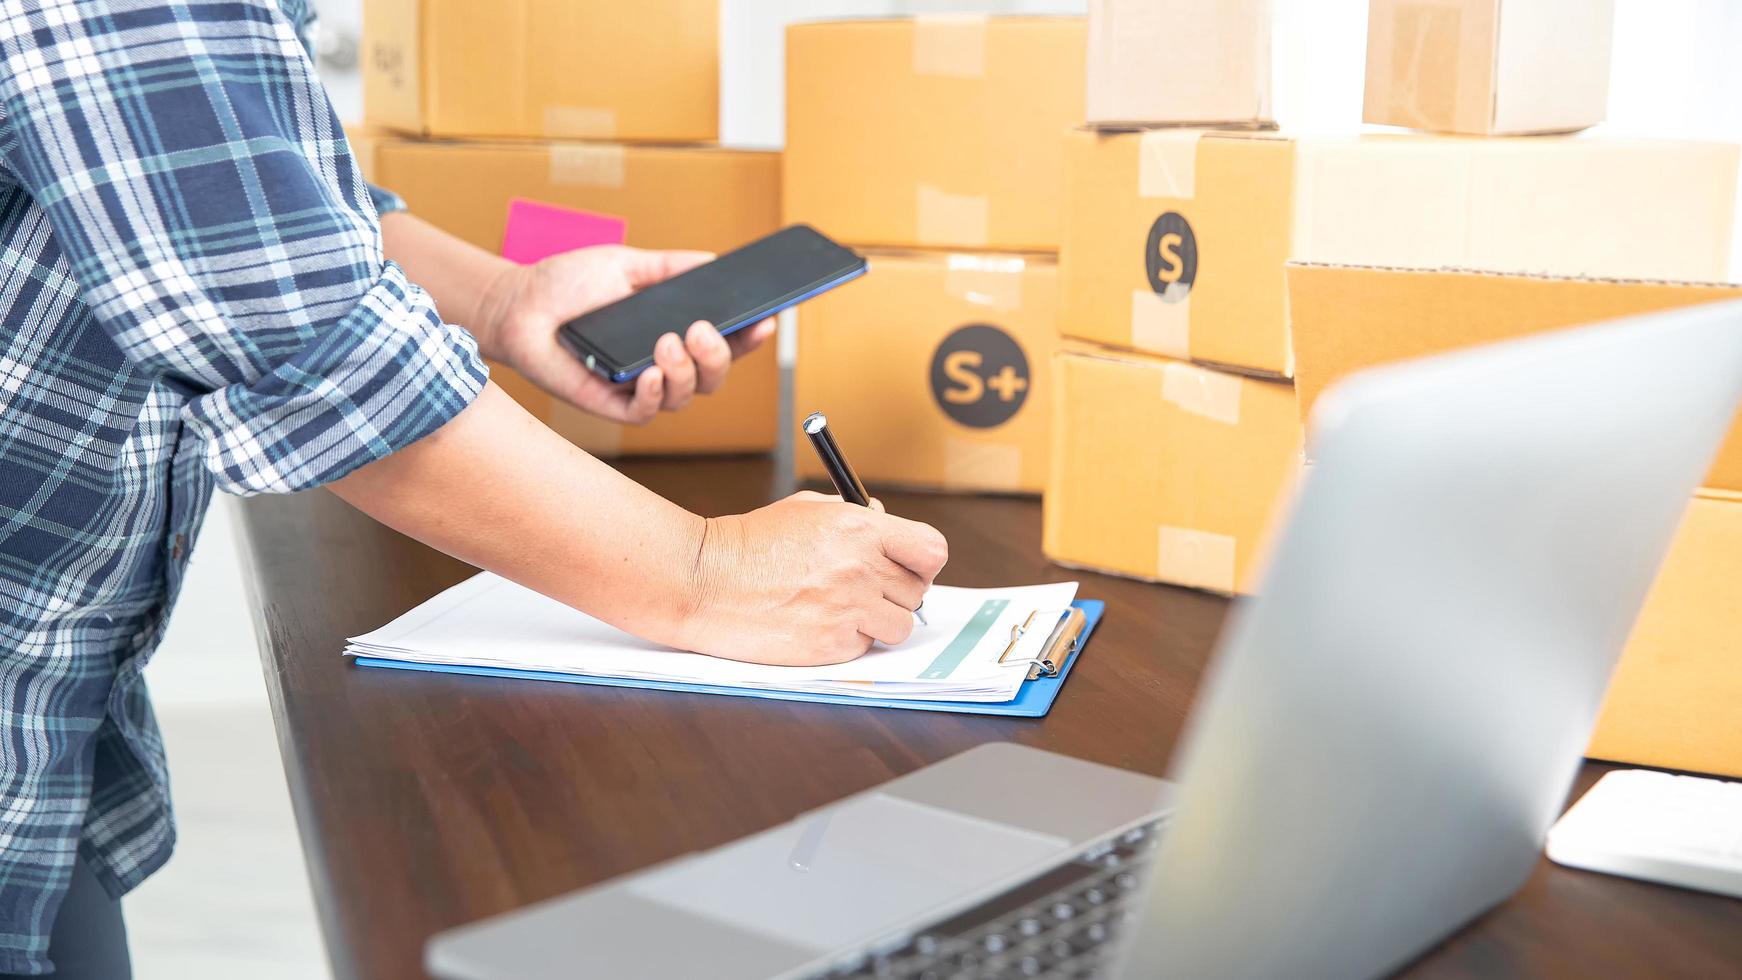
<point>488,621</point>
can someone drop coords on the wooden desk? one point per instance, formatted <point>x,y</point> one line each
<point>427,801</point>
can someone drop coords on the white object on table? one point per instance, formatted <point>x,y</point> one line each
<point>1659,827</point>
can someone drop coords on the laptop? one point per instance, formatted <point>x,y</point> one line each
<point>1386,733</point>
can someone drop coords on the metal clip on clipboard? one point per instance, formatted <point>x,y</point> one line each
<point>1060,646</point>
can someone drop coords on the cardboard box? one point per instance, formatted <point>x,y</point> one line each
<point>553,69</point>
<point>1347,318</point>
<point>935,370</point>
<point>932,131</point>
<point>673,197</point>
<point>1164,470</point>
<point>1673,699</point>
<point>1488,67</point>
<point>1179,62</point>
<point>1175,239</point>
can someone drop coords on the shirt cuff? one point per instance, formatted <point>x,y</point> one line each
<point>377,380</point>
<point>386,202</point>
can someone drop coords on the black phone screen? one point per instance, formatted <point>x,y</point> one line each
<point>733,291</point>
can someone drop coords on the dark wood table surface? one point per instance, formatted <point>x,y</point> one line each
<point>426,801</point>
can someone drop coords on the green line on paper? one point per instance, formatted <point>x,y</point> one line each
<point>965,641</point>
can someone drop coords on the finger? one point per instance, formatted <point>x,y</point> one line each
<point>680,372</point>
<point>888,623</point>
<point>877,505</point>
<point>747,340</point>
<point>902,587</point>
<point>813,497</point>
<point>713,358</point>
<point>649,392</point>
<point>643,267</point>
<point>915,546</point>
<point>860,648</point>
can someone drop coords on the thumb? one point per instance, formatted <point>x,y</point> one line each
<point>643,267</point>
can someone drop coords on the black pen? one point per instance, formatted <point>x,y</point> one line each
<point>847,482</point>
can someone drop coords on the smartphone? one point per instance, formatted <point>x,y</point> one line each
<point>734,291</point>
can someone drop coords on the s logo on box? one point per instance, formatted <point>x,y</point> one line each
<point>1171,257</point>
<point>979,376</point>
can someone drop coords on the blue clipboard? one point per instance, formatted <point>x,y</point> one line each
<point>1033,700</point>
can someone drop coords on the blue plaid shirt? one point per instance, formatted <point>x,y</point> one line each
<point>192,294</point>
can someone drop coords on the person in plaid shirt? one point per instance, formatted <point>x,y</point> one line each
<point>195,292</point>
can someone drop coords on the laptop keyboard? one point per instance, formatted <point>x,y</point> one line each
<point>1064,923</point>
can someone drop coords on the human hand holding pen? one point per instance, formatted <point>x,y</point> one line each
<point>846,481</point>
<point>805,581</point>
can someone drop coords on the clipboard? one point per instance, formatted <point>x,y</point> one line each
<point>1046,674</point>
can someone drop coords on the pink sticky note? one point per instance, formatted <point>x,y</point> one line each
<point>538,230</point>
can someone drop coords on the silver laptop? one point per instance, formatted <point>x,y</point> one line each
<point>1385,737</point>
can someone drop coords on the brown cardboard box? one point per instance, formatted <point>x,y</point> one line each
<point>1175,239</point>
<point>932,131</point>
<point>1488,67</point>
<point>673,197</point>
<point>1179,61</point>
<point>556,69</point>
<point>363,139</point>
<point>1673,699</point>
<point>934,370</point>
<point>1346,318</point>
<point>1164,470</point>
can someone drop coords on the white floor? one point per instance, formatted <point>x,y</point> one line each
<point>235,899</point>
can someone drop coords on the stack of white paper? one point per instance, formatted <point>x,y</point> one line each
<point>488,621</point>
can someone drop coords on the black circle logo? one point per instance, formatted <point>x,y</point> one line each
<point>979,376</point>
<point>1171,256</point>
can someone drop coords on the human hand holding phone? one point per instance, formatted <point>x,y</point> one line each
<point>531,302</point>
<point>748,284</point>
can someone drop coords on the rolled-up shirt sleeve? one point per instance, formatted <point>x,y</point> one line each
<point>203,194</point>
<point>386,202</point>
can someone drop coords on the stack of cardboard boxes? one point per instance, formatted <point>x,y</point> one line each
<point>931,143</point>
<point>1672,701</point>
<point>1174,426</point>
<point>605,107</point>
<point>1208,268</point>
<point>1172,266</point>
<point>1661,229</point>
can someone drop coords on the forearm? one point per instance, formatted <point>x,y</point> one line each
<point>468,284</point>
<point>495,488</point>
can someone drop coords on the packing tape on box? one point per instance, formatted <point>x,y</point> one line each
<point>1424,87</point>
<point>985,280</point>
<point>951,219</point>
<point>579,122</point>
<point>1162,324</point>
<point>1202,392</point>
<point>970,465</point>
<point>1201,559</point>
<point>586,165</point>
<point>1167,163</point>
<point>950,45</point>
